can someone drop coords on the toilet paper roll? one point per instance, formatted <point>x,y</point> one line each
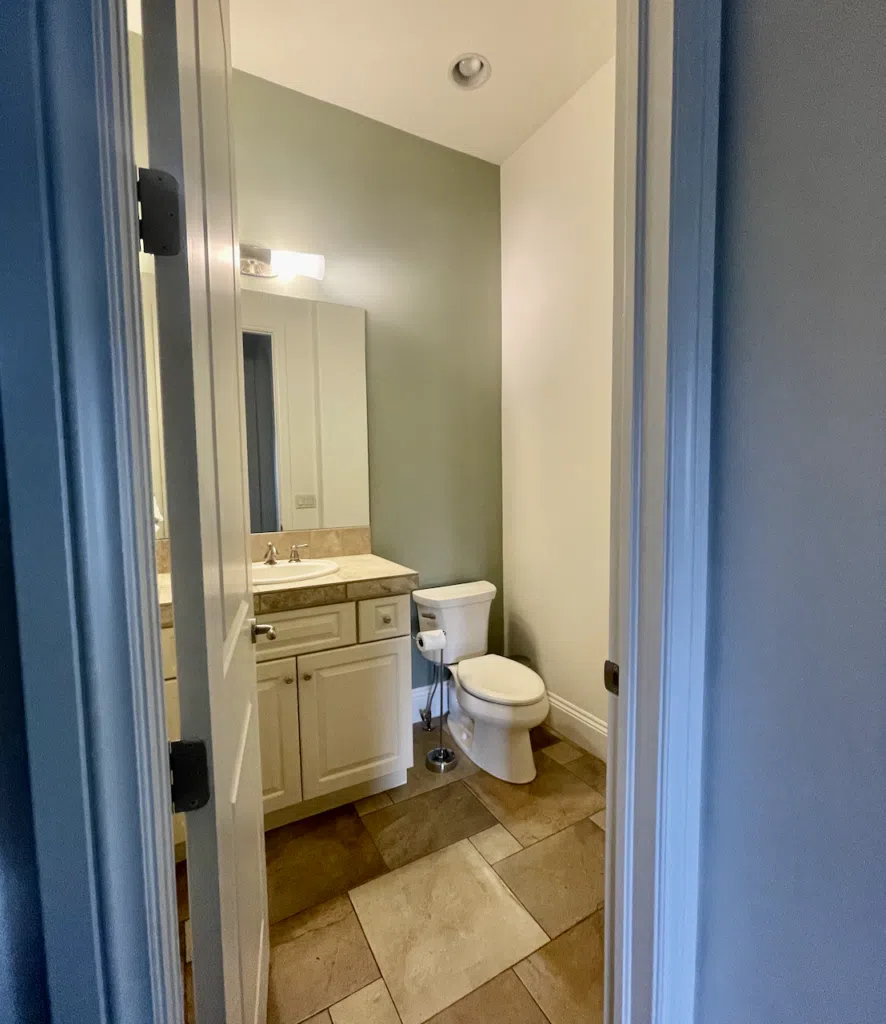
<point>431,640</point>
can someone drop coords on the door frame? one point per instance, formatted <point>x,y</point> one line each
<point>667,124</point>
<point>74,408</point>
<point>79,488</point>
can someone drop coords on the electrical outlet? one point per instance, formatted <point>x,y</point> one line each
<point>306,501</point>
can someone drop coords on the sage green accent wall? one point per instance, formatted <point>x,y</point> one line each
<point>411,232</point>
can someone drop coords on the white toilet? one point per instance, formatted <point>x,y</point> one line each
<point>493,702</point>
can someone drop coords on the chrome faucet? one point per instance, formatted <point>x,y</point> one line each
<point>294,556</point>
<point>270,555</point>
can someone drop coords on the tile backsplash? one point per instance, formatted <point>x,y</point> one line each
<point>350,540</point>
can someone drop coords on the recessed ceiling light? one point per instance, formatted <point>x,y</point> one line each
<point>470,71</point>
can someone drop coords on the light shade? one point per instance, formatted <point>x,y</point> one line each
<point>298,264</point>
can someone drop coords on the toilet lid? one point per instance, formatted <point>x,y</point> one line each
<point>500,681</point>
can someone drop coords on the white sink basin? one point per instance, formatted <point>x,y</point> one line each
<point>292,572</point>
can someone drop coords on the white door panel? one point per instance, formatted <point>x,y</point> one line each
<point>203,409</point>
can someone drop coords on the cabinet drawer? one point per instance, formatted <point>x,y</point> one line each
<point>383,618</point>
<point>308,629</point>
<point>167,652</point>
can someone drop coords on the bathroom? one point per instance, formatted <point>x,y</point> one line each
<point>450,425</point>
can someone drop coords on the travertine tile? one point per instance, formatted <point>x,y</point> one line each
<point>300,597</point>
<point>599,819</point>
<point>364,590</point>
<point>161,553</point>
<point>372,803</point>
<point>441,927</point>
<point>504,1000</point>
<point>414,828</point>
<point>541,737</point>
<point>495,844</point>
<point>554,799</point>
<point>566,977</point>
<point>371,1005</point>
<point>315,859</point>
<point>591,770</point>
<point>560,880</point>
<point>318,958</point>
<point>418,778</point>
<point>321,1018</point>
<point>562,752</point>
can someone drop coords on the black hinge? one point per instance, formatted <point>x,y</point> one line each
<point>610,676</point>
<point>189,768</point>
<point>160,223</point>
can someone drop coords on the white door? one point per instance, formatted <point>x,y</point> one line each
<point>278,728</point>
<point>187,73</point>
<point>354,708</point>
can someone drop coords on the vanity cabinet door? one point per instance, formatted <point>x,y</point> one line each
<point>355,711</point>
<point>278,733</point>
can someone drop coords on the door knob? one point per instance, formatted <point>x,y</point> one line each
<point>263,629</point>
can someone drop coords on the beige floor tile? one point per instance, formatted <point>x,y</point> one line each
<point>412,829</point>
<point>591,770</point>
<point>495,844</point>
<point>372,803</point>
<point>321,1018</point>
<point>599,819</point>
<point>441,927</point>
<point>504,1000</point>
<point>566,977</point>
<point>541,737</point>
<point>313,860</point>
<point>371,1005</point>
<point>318,958</point>
<point>563,752</point>
<point>553,800</point>
<point>560,880</point>
<point>418,778</point>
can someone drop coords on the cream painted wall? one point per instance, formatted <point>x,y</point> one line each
<point>557,266</point>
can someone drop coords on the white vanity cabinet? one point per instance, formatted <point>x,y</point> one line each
<point>334,703</point>
<point>355,723</point>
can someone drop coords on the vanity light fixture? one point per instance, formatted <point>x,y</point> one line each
<point>259,261</point>
<point>470,71</point>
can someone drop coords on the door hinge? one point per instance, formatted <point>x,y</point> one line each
<point>189,771</point>
<point>610,676</point>
<point>160,224</point>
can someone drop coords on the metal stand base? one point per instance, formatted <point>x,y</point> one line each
<point>440,760</point>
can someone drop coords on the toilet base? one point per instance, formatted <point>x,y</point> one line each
<point>502,750</point>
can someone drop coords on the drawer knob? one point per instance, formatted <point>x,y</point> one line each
<point>288,680</point>
<point>386,619</point>
<point>307,677</point>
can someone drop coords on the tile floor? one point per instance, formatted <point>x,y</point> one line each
<point>454,899</point>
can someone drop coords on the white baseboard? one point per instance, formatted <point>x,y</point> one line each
<point>566,718</point>
<point>578,725</point>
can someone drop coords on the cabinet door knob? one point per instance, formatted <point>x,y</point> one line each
<point>386,619</point>
<point>307,677</point>
<point>288,680</point>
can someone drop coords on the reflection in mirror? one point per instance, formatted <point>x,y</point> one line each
<point>305,374</point>
<point>258,384</point>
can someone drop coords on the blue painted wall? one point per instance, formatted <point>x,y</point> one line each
<point>793,912</point>
<point>22,980</point>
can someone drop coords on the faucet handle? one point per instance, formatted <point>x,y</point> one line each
<point>270,555</point>
<point>294,556</point>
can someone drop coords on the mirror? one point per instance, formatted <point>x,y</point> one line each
<point>304,375</point>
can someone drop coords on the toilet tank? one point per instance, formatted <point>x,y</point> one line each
<point>463,612</point>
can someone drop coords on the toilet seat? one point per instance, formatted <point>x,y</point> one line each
<point>499,681</point>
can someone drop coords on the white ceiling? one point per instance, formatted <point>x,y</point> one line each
<point>389,60</point>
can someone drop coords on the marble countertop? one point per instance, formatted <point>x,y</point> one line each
<point>359,578</point>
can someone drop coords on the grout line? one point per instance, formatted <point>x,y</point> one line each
<point>388,990</point>
<point>369,945</point>
<point>526,990</point>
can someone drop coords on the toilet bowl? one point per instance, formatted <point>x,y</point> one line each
<point>493,702</point>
